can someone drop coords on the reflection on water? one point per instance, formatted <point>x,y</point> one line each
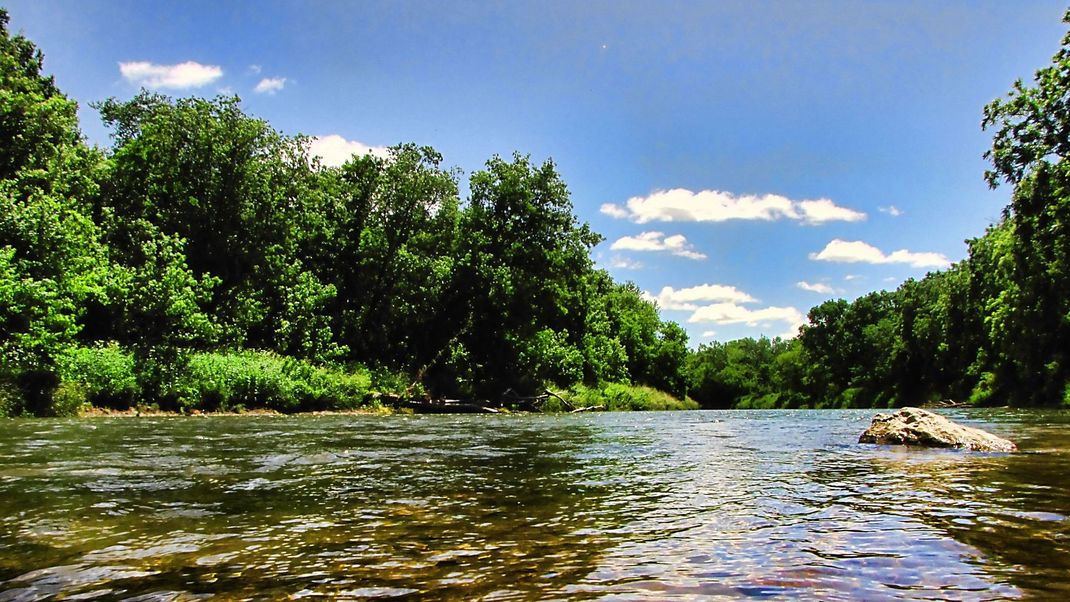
<point>608,506</point>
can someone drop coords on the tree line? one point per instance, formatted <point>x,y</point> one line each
<point>207,260</point>
<point>994,329</point>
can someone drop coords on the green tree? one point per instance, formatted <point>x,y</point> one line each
<point>51,260</point>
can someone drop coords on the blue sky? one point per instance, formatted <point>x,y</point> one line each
<point>744,160</point>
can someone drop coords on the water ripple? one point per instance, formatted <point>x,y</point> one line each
<point>609,506</point>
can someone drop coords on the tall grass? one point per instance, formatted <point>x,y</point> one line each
<point>239,380</point>
<point>622,397</point>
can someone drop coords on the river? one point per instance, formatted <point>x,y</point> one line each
<point>673,505</point>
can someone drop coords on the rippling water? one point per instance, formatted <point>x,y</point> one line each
<point>607,506</point>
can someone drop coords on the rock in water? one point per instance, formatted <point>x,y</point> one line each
<point>913,426</point>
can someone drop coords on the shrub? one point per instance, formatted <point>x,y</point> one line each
<point>983,390</point>
<point>10,400</point>
<point>623,397</point>
<point>261,379</point>
<point>69,399</point>
<point>106,373</point>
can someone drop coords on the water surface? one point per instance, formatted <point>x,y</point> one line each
<point>691,505</point>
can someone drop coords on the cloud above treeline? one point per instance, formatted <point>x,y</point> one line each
<point>676,244</point>
<point>725,305</point>
<point>689,298</point>
<point>733,313</point>
<point>856,251</point>
<point>181,76</point>
<point>816,287</point>
<point>683,205</point>
<point>334,150</point>
<point>624,263</point>
<point>270,85</point>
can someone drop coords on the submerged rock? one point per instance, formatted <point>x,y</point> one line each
<point>913,426</point>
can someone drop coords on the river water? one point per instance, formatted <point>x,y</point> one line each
<point>688,505</point>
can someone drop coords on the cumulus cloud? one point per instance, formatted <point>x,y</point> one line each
<point>334,150</point>
<point>682,205</point>
<point>624,263</point>
<point>823,210</point>
<point>657,241</point>
<point>178,77</point>
<point>843,251</point>
<point>891,210</point>
<point>689,298</point>
<point>733,313</point>
<point>816,287</point>
<point>709,334</point>
<point>270,85</point>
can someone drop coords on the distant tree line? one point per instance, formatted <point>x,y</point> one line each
<point>994,329</point>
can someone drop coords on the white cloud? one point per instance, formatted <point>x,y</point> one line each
<point>732,313</point>
<point>843,251</point>
<point>850,277</point>
<point>682,205</point>
<point>334,150</point>
<point>179,77</point>
<point>709,334</point>
<point>255,69</point>
<point>816,287</point>
<point>891,210</point>
<point>624,263</point>
<point>657,241</point>
<point>823,210</point>
<point>614,211</point>
<point>270,85</point>
<point>688,298</point>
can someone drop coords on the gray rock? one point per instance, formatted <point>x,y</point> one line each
<point>913,426</point>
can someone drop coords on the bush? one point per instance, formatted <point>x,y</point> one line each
<point>260,379</point>
<point>982,393</point>
<point>10,400</point>
<point>69,399</point>
<point>769,401</point>
<point>622,397</point>
<point>106,373</point>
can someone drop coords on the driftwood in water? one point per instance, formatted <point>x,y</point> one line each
<point>948,404</point>
<point>587,409</point>
<point>533,403</point>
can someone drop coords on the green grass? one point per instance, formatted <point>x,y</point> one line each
<point>616,397</point>
<point>239,380</point>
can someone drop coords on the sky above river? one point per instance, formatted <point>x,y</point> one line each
<point>745,161</point>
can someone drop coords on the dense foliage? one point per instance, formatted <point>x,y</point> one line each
<point>992,329</point>
<point>204,261</point>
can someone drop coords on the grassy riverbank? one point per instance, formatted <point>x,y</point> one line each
<point>108,380</point>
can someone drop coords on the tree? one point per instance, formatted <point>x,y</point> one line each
<point>1030,151</point>
<point>523,269</point>
<point>52,262</point>
<point>239,196</point>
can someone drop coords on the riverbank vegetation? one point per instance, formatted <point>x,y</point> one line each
<point>204,261</point>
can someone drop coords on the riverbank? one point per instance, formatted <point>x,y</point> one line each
<point>610,397</point>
